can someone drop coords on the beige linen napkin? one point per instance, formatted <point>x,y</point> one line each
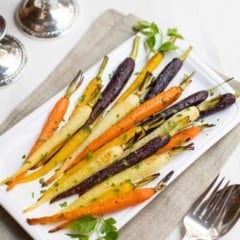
<point>157,220</point>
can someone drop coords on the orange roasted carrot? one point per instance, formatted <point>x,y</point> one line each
<point>118,203</point>
<point>56,115</point>
<point>54,119</point>
<point>148,108</point>
<point>182,137</point>
<point>114,204</point>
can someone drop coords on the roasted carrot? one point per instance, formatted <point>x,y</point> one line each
<point>167,75</point>
<point>92,89</point>
<point>124,187</point>
<point>56,115</point>
<point>52,144</point>
<point>87,98</point>
<point>116,84</point>
<point>145,110</point>
<point>60,156</point>
<point>149,67</point>
<point>118,203</point>
<point>136,153</point>
<point>134,174</point>
<point>182,137</point>
<point>99,155</point>
<point>114,168</point>
<point>126,200</point>
<point>118,111</point>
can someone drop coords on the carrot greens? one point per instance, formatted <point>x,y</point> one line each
<point>83,227</point>
<point>156,40</point>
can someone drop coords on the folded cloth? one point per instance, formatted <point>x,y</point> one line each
<point>157,220</point>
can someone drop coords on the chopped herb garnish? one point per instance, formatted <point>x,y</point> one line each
<point>41,181</point>
<point>33,194</point>
<point>164,101</point>
<point>43,157</point>
<point>56,184</point>
<point>89,155</point>
<point>100,96</point>
<point>23,156</point>
<point>125,162</point>
<point>124,137</point>
<point>82,98</point>
<point>137,73</point>
<point>62,205</point>
<point>128,181</point>
<point>42,191</point>
<point>138,165</point>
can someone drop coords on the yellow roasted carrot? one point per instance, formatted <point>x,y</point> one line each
<point>60,156</point>
<point>92,89</point>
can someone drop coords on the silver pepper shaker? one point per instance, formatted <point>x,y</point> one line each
<point>12,56</point>
<point>46,18</point>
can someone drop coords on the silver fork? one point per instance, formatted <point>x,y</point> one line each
<point>203,220</point>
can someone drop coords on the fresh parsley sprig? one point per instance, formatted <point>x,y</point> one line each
<point>155,40</point>
<point>82,228</point>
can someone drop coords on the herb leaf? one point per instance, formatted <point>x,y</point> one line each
<point>109,230</point>
<point>173,32</point>
<point>155,40</point>
<point>151,41</point>
<point>167,46</point>
<point>78,236</point>
<point>84,225</point>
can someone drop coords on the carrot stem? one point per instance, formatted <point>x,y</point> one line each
<point>74,85</point>
<point>102,67</point>
<point>185,54</point>
<point>135,48</point>
<point>220,84</point>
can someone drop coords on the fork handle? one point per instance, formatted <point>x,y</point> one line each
<point>190,236</point>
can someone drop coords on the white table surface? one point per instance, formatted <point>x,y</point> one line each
<point>212,27</point>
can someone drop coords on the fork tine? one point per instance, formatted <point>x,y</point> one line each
<point>216,202</point>
<point>207,202</point>
<point>203,195</point>
<point>223,204</point>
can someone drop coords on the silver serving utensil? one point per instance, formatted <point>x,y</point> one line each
<point>46,18</point>
<point>212,215</point>
<point>232,211</point>
<point>12,56</point>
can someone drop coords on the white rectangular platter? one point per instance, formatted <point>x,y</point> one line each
<point>17,141</point>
